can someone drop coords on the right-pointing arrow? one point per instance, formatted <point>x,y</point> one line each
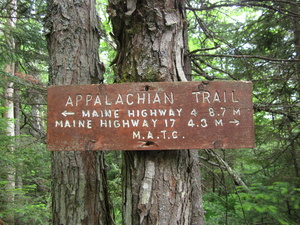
<point>235,121</point>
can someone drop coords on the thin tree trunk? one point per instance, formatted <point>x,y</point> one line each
<point>19,166</point>
<point>10,131</point>
<point>79,185</point>
<point>160,187</point>
<point>294,153</point>
<point>9,114</point>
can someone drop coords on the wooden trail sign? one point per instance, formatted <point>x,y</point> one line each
<point>150,116</point>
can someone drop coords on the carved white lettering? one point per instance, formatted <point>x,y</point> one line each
<point>218,122</point>
<point>69,101</point>
<point>174,134</point>
<point>127,99</point>
<point>105,123</point>
<point>141,99</point>
<point>179,111</point>
<point>107,102</point>
<point>145,124</point>
<point>78,99</point>
<point>156,99</point>
<point>153,112</point>
<point>206,96</point>
<point>116,124</point>
<point>74,123</point>
<point>135,123</point>
<point>144,113</point>
<point>130,113</point>
<point>212,97</point>
<point>162,112</point>
<point>233,99</point>
<point>59,123</point>
<point>154,122</point>
<point>97,101</point>
<point>196,93</point>
<point>88,98</point>
<point>169,99</point>
<point>150,135</point>
<point>101,113</point>
<point>95,114</point>
<point>125,123</point>
<point>86,113</point>
<point>236,111</point>
<point>136,135</point>
<point>171,112</point>
<point>164,133</point>
<point>217,97</point>
<point>119,100</point>
<point>203,123</point>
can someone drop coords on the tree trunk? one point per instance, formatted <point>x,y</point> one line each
<point>79,185</point>
<point>160,187</point>
<point>293,149</point>
<point>9,114</point>
<point>10,131</point>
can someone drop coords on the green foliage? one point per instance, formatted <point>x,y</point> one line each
<point>278,203</point>
<point>113,161</point>
<point>228,40</point>
<point>221,209</point>
<point>27,208</point>
<point>256,41</point>
<point>4,139</point>
<point>29,48</point>
<point>107,46</point>
<point>32,182</point>
<point>24,161</point>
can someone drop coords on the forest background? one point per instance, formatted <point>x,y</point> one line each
<point>252,40</point>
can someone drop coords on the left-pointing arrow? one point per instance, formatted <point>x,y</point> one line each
<point>66,113</point>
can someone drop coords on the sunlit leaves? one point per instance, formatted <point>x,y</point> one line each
<point>256,41</point>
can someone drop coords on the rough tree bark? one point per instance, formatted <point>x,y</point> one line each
<point>160,187</point>
<point>9,114</point>
<point>79,185</point>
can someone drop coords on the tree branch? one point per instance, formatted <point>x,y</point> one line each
<point>244,57</point>
<point>233,174</point>
<point>250,3</point>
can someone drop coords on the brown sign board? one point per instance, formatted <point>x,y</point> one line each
<point>150,116</point>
